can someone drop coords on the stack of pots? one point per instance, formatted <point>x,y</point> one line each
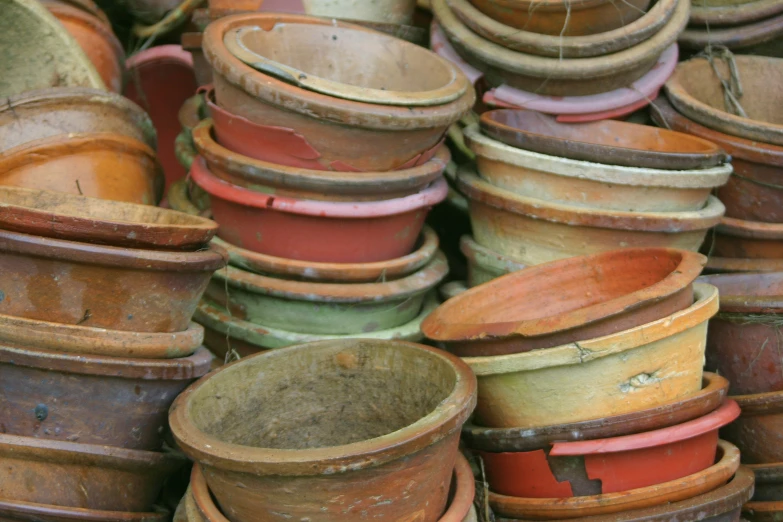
<point>543,190</point>
<point>96,341</point>
<point>593,403</point>
<point>321,180</point>
<point>584,60</point>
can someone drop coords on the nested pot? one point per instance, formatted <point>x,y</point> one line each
<point>366,136</point>
<point>588,184</point>
<point>748,239</point>
<point>484,264</point>
<point>553,75</point>
<point>97,286</point>
<point>325,308</point>
<point>320,231</point>
<point>15,511</point>
<point>635,369</point>
<point>82,475</point>
<point>596,296</point>
<point>45,113</point>
<point>101,165</point>
<point>534,231</point>
<point>760,37</point>
<point>758,433</point>
<point>769,482</point>
<point>375,422</point>
<point>735,14</point>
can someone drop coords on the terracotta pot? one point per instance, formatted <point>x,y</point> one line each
<point>37,471</point>
<point>46,113</point>
<point>597,296</point>
<point>593,185</point>
<point>533,231</point>
<point>759,431</point>
<point>364,135</point>
<point>28,512</point>
<point>277,179</point>
<point>97,286</point>
<point>735,14</point>
<point>604,505</point>
<point>769,482</point>
<point>697,92</point>
<point>727,264</point>
<point>391,270</point>
<point>321,231</point>
<point>325,308</point>
<point>111,401</point>
<point>484,264</point>
<point>763,511</point>
<point>744,341</point>
<point>748,239</point>
<point>553,75</point>
<point>393,435</point>
<point>106,166</point>
<point>757,37</point>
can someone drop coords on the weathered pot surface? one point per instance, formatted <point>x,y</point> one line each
<point>757,511</point>
<point>748,239</point>
<point>760,37</point>
<point>734,14</point>
<point>769,482</point>
<point>734,265</point>
<point>484,264</point>
<point>759,431</point>
<point>401,445</point>
<point>29,512</point>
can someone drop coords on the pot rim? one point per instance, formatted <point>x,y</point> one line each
<point>492,149</point>
<point>476,189</point>
<point>549,5</point>
<point>441,326</point>
<point>216,187</point>
<point>32,512</point>
<point>438,424</point>
<point>770,506</point>
<point>93,23</point>
<point>738,37</point>
<point>768,473</point>
<point>313,104</point>
<point>769,403</point>
<point>480,255</point>
<point>741,265</point>
<point>161,53</point>
<point>583,352</point>
<point>735,14</point>
<point>749,301</point>
<point>189,115</point>
<point>42,148</point>
<point>750,229</point>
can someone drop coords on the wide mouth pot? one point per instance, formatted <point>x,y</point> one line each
<point>748,293</point>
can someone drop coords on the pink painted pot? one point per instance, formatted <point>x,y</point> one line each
<point>322,231</point>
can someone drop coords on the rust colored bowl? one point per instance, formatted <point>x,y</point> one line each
<point>89,399</point>
<point>101,165</point>
<point>82,475</point>
<point>596,296</point>
<point>758,433</point>
<point>77,218</point>
<point>321,231</point>
<point>748,239</point>
<point>760,37</point>
<point>769,482</point>
<point>12,511</point>
<point>98,286</point>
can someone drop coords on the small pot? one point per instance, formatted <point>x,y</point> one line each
<point>758,433</point>
<point>115,479</point>
<point>13,511</point>
<point>483,264</point>
<point>391,434</point>
<point>729,265</point>
<point>321,231</point>
<point>98,286</point>
<point>101,165</point>
<point>533,231</point>
<point>735,15</point>
<point>588,184</point>
<point>325,308</point>
<point>696,91</point>
<point>88,399</point>
<point>769,482</point>
<point>597,296</point>
<point>757,37</point>
<point>748,239</point>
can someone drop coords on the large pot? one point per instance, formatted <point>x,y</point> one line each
<point>376,421</point>
<point>484,264</point>
<point>748,239</point>
<point>758,433</point>
<point>12,511</point>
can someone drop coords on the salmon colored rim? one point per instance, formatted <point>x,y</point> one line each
<point>31,511</point>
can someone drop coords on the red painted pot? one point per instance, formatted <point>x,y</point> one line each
<point>321,231</point>
<point>601,466</point>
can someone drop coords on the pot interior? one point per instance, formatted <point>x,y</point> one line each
<point>322,394</point>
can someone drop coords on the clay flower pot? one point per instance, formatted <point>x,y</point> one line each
<point>553,75</point>
<point>755,37</point>
<point>325,308</point>
<point>597,295</point>
<point>759,431</point>
<point>484,264</point>
<point>748,239</point>
<point>102,286</point>
<point>769,481</point>
<point>321,231</point>
<point>88,399</point>
<point>696,91</point>
<point>43,471</point>
<point>277,179</point>
<point>743,339</point>
<point>101,165</point>
<point>534,231</point>
<point>404,405</point>
<point>589,184</point>
<point>367,136</point>
<point>735,14</point>
<point>635,369</point>
<point>28,512</point>
<point>45,113</point>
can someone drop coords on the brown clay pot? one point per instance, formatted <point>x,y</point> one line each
<point>758,433</point>
<point>769,482</point>
<point>748,239</point>
<point>12,511</point>
<point>596,296</point>
<point>720,265</point>
<point>760,37</point>
<point>106,166</point>
<point>101,286</point>
<point>366,136</point>
<point>384,440</point>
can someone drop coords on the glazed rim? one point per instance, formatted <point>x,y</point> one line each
<point>440,423</point>
<point>750,229</point>
<point>738,37</point>
<point>583,352</point>
<point>484,257</point>
<point>428,196</point>
<point>313,104</point>
<point>495,55</point>
<point>485,193</point>
<point>450,324</point>
<point>749,301</point>
<point>489,148</point>
<point>28,511</point>
<point>408,286</point>
<point>326,181</point>
<point>770,403</point>
<point>735,14</point>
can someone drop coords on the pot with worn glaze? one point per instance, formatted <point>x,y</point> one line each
<point>394,435</point>
<point>13,511</point>
<point>483,264</point>
<point>739,238</point>
<point>758,433</point>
